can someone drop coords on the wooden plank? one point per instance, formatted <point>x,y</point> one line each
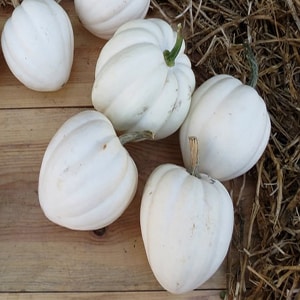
<point>37,255</point>
<point>199,295</point>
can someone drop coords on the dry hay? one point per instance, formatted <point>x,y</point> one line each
<point>266,239</point>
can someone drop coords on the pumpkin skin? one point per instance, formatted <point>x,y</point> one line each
<point>87,178</point>
<point>103,18</point>
<point>38,44</point>
<point>135,88</point>
<point>232,125</point>
<point>186,225</point>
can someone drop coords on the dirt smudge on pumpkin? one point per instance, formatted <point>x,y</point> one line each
<point>144,109</point>
<point>193,229</point>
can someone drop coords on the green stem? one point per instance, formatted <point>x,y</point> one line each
<point>136,136</point>
<point>253,65</point>
<point>170,56</point>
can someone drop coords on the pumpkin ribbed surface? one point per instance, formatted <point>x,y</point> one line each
<point>132,74</point>
<point>232,126</point>
<point>87,178</point>
<point>103,18</point>
<point>38,44</point>
<point>186,225</point>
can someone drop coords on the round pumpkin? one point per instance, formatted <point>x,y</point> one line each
<point>103,18</point>
<point>186,225</point>
<point>87,178</point>
<point>232,125</point>
<point>143,78</point>
<point>38,44</point>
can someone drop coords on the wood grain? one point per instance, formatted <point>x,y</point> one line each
<point>197,295</point>
<point>40,260</point>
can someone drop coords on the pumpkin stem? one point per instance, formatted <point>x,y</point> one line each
<point>193,142</point>
<point>253,65</point>
<point>100,231</point>
<point>170,56</point>
<point>136,136</point>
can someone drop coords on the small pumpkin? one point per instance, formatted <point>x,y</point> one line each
<point>232,125</point>
<point>38,44</point>
<point>103,18</point>
<point>143,79</point>
<point>87,178</point>
<point>186,224</point>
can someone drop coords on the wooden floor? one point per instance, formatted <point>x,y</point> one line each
<point>39,260</point>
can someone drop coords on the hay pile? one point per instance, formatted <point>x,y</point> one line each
<point>13,3</point>
<point>268,242</point>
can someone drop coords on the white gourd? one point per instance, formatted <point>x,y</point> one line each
<point>186,225</point>
<point>103,18</point>
<point>38,44</point>
<point>87,178</point>
<point>137,86</point>
<point>232,125</point>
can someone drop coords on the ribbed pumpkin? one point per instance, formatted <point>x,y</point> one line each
<point>38,44</point>
<point>232,125</point>
<point>143,78</point>
<point>186,225</point>
<point>87,178</point>
<point>103,18</point>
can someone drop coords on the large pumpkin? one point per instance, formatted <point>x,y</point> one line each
<point>143,79</point>
<point>103,18</point>
<point>38,44</point>
<point>186,225</point>
<point>232,125</point>
<point>87,178</point>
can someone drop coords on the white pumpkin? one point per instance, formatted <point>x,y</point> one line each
<point>103,18</point>
<point>186,225</point>
<point>136,86</point>
<point>38,44</point>
<point>87,178</point>
<point>232,126</point>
